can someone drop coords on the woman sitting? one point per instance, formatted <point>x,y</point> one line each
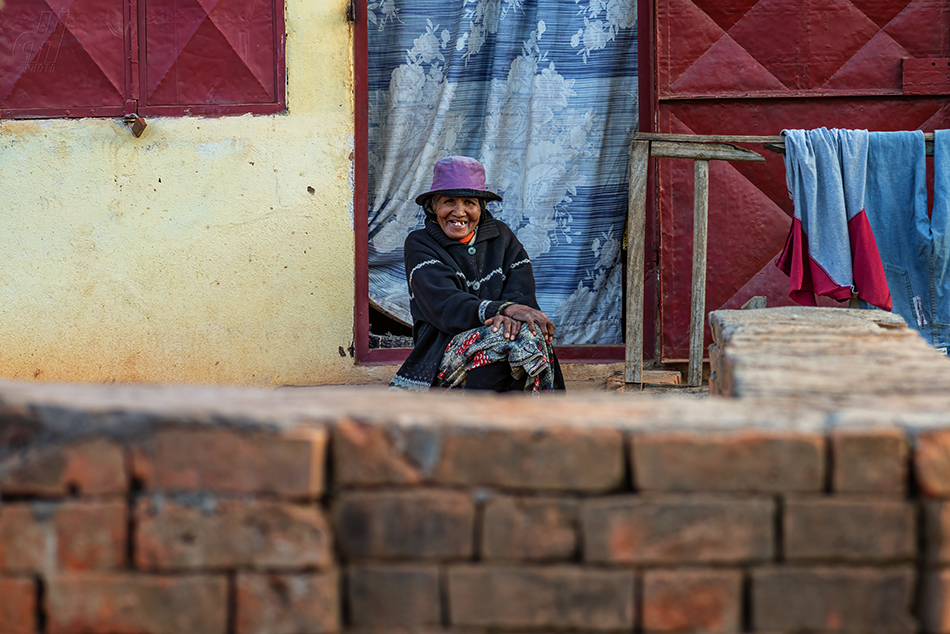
<point>476,321</point>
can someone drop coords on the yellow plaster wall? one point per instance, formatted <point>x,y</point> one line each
<point>196,253</point>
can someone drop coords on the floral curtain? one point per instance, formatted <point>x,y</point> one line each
<point>544,94</point>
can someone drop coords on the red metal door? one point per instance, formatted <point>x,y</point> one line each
<point>758,67</point>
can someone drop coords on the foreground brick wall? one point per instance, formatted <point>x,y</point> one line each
<point>175,530</point>
<point>173,510</point>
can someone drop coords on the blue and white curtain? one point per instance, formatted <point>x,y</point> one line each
<point>544,94</point>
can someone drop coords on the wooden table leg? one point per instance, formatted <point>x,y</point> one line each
<point>636,239</point>
<point>698,306</point>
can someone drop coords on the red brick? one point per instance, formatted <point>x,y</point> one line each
<point>18,605</point>
<point>92,467</point>
<point>423,524</point>
<point>560,459</point>
<point>288,603</point>
<point>101,603</point>
<point>699,601</point>
<point>847,530</point>
<point>677,529</point>
<point>529,529</point>
<point>365,454</point>
<point>394,596</point>
<point>288,464</point>
<point>747,461</point>
<point>559,597</point>
<point>49,537</point>
<point>870,461</point>
<point>865,600</point>
<point>936,532</point>
<point>935,602</point>
<point>554,458</point>
<point>195,532</point>
<point>932,463</point>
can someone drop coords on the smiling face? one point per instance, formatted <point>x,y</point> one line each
<point>458,217</point>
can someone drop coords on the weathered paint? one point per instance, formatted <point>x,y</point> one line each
<point>210,250</point>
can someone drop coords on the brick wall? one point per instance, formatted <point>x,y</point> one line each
<point>186,510</point>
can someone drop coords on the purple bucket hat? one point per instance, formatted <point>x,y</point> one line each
<point>458,176</point>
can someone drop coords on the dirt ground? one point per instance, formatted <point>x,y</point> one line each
<point>599,377</point>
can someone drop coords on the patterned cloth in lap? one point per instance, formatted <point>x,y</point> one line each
<point>528,354</point>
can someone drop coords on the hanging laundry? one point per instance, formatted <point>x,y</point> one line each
<point>940,241</point>
<point>913,244</point>
<point>896,206</point>
<point>830,248</point>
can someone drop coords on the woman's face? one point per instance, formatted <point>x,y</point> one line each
<point>458,217</point>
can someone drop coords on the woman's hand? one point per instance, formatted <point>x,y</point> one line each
<point>510,327</point>
<point>514,315</point>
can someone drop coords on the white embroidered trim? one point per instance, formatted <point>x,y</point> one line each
<point>413,272</point>
<point>402,383</point>
<point>486,278</point>
<point>482,309</point>
<point>520,263</point>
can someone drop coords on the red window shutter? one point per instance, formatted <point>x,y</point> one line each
<point>81,58</point>
<point>212,56</point>
<point>63,58</point>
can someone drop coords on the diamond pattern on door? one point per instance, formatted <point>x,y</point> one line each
<point>210,51</point>
<point>758,67</point>
<point>806,45</point>
<point>61,54</point>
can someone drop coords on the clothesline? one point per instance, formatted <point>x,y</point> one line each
<point>774,143</point>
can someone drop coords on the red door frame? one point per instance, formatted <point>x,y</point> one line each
<point>579,354</point>
<point>647,105</point>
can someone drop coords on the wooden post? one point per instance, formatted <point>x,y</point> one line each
<point>698,306</point>
<point>636,240</point>
<point>701,149</point>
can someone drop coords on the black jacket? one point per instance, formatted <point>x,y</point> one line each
<point>453,289</point>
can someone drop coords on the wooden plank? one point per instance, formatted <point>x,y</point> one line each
<point>773,143</point>
<point>703,151</point>
<point>651,378</point>
<point>636,241</point>
<point>698,305</point>
<point>708,138</point>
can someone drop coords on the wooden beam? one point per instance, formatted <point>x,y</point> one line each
<point>636,241</point>
<point>773,143</point>
<point>698,304</point>
<point>708,138</point>
<point>703,151</point>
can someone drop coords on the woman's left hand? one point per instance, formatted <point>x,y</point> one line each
<point>507,325</point>
<point>522,314</point>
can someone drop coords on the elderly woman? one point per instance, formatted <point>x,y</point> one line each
<point>476,321</point>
